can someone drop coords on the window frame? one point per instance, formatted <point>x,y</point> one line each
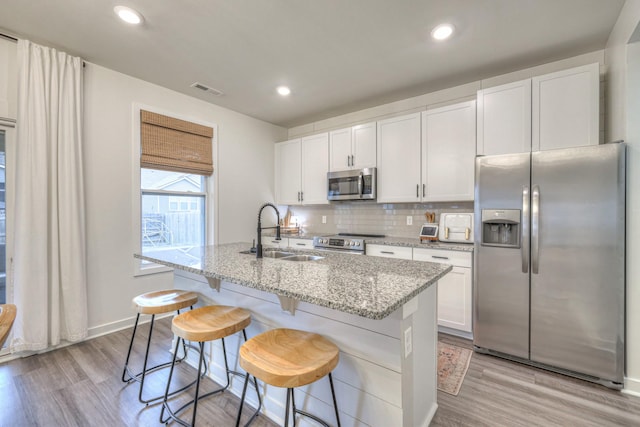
<point>210,193</point>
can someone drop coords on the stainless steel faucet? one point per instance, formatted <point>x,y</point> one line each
<point>260,228</point>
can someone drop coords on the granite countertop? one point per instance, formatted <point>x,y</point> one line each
<point>412,242</point>
<point>370,287</point>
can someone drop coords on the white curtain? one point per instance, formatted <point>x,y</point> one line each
<point>48,264</point>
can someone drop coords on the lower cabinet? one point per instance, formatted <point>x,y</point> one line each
<point>454,290</point>
<point>300,243</point>
<point>271,242</point>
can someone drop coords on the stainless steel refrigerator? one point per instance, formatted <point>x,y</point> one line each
<point>549,260</point>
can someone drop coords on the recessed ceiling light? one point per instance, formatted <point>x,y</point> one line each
<point>128,15</point>
<point>442,31</point>
<point>283,90</point>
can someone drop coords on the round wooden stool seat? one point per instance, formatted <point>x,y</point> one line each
<point>210,323</point>
<point>288,357</point>
<point>164,301</point>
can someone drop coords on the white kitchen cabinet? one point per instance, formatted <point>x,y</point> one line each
<point>556,110</point>
<point>300,243</point>
<point>353,148</point>
<point>288,172</point>
<point>454,289</point>
<point>399,159</point>
<point>448,152</point>
<point>566,108</point>
<point>301,170</point>
<point>504,119</point>
<point>385,251</point>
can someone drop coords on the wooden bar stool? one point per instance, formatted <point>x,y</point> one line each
<point>157,302</point>
<point>289,358</point>
<point>7,317</point>
<point>201,325</point>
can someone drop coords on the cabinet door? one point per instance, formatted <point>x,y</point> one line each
<point>288,172</point>
<point>315,165</point>
<point>399,159</point>
<point>448,152</point>
<point>363,145</point>
<point>566,108</point>
<point>504,119</point>
<point>454,299</point>
<point>340,149</point>
<point>454,289</point>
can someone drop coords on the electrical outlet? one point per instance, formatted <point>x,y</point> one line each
<point>409,220</point>
<point>324,219</point>
<point>408,344</point>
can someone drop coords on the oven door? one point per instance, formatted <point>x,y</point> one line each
<point>352,185</point>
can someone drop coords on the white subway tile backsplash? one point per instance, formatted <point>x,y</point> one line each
<point>372,218</point>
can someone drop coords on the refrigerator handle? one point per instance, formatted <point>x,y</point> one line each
<point>524,237</point>
<point>535,229</point>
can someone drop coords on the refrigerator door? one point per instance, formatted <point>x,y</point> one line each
<point>501,285</point>
<point>577,252</point>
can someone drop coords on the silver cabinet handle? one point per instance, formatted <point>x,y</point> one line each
<point>298,196</point>
<point>535,229</point>
<point>524,226</point>
<point>302,196</point>
<point>348,160</point>
<point>300,244</point>
<point>387,252</point>
<point>417,190</point>
<point>424,190</point>
<point>439,257</point>
<point>353,160</point>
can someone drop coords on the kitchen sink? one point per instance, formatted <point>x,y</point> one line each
<point>285,256</point>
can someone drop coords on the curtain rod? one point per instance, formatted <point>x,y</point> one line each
<point>8,37</point>
<point>13,39</point>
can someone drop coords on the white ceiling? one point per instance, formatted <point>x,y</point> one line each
<point>337,56</point>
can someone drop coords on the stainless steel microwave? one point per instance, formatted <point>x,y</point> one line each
<point>356,184</point>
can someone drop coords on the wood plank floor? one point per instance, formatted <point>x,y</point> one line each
<point>80,386</point>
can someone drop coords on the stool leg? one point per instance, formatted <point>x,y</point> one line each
<point>146,358</point>
<point>165,404</point>
<point>195,399</point>
<point>286,413</point>
<point>333,394</point>
<point>126,363</point>
<point>244,393</point>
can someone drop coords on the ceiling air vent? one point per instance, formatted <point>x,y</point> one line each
<point>211,90</point>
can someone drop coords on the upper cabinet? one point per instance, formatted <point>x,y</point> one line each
<point>448,152</point>
<point>566,108</point>
<point>556,110</point>
<point>353,148</point>
<point>301,168</point>
<point>399,159</point>
<point>504,119</point>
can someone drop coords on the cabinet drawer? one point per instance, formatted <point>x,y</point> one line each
<point>456,258</point>
<point>390,251</point>
<point>271,242</point>
<point>300,243</point>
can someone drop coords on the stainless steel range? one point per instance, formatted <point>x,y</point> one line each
<point>350,242</point>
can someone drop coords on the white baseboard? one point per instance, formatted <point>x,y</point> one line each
<point>118,325</point>
<point>631,387</point>
<point>431,414</point>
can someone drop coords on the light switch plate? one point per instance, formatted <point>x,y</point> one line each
<point>324,219</point>
<point>409,220</point>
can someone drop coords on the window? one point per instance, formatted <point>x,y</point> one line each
<point>173,211</point>
<point>174,198</point>
<point>3,229</point>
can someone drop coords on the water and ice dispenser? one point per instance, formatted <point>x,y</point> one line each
<point>501,228</point>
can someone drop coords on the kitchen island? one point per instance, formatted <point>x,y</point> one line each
<point>380,312</point>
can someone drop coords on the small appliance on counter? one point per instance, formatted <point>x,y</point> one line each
<point>429,230</point>
<point>456,227</point>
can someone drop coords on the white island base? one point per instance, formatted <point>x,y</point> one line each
<point>387,371</point>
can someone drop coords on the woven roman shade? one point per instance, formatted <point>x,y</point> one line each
<point>175,145</point>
